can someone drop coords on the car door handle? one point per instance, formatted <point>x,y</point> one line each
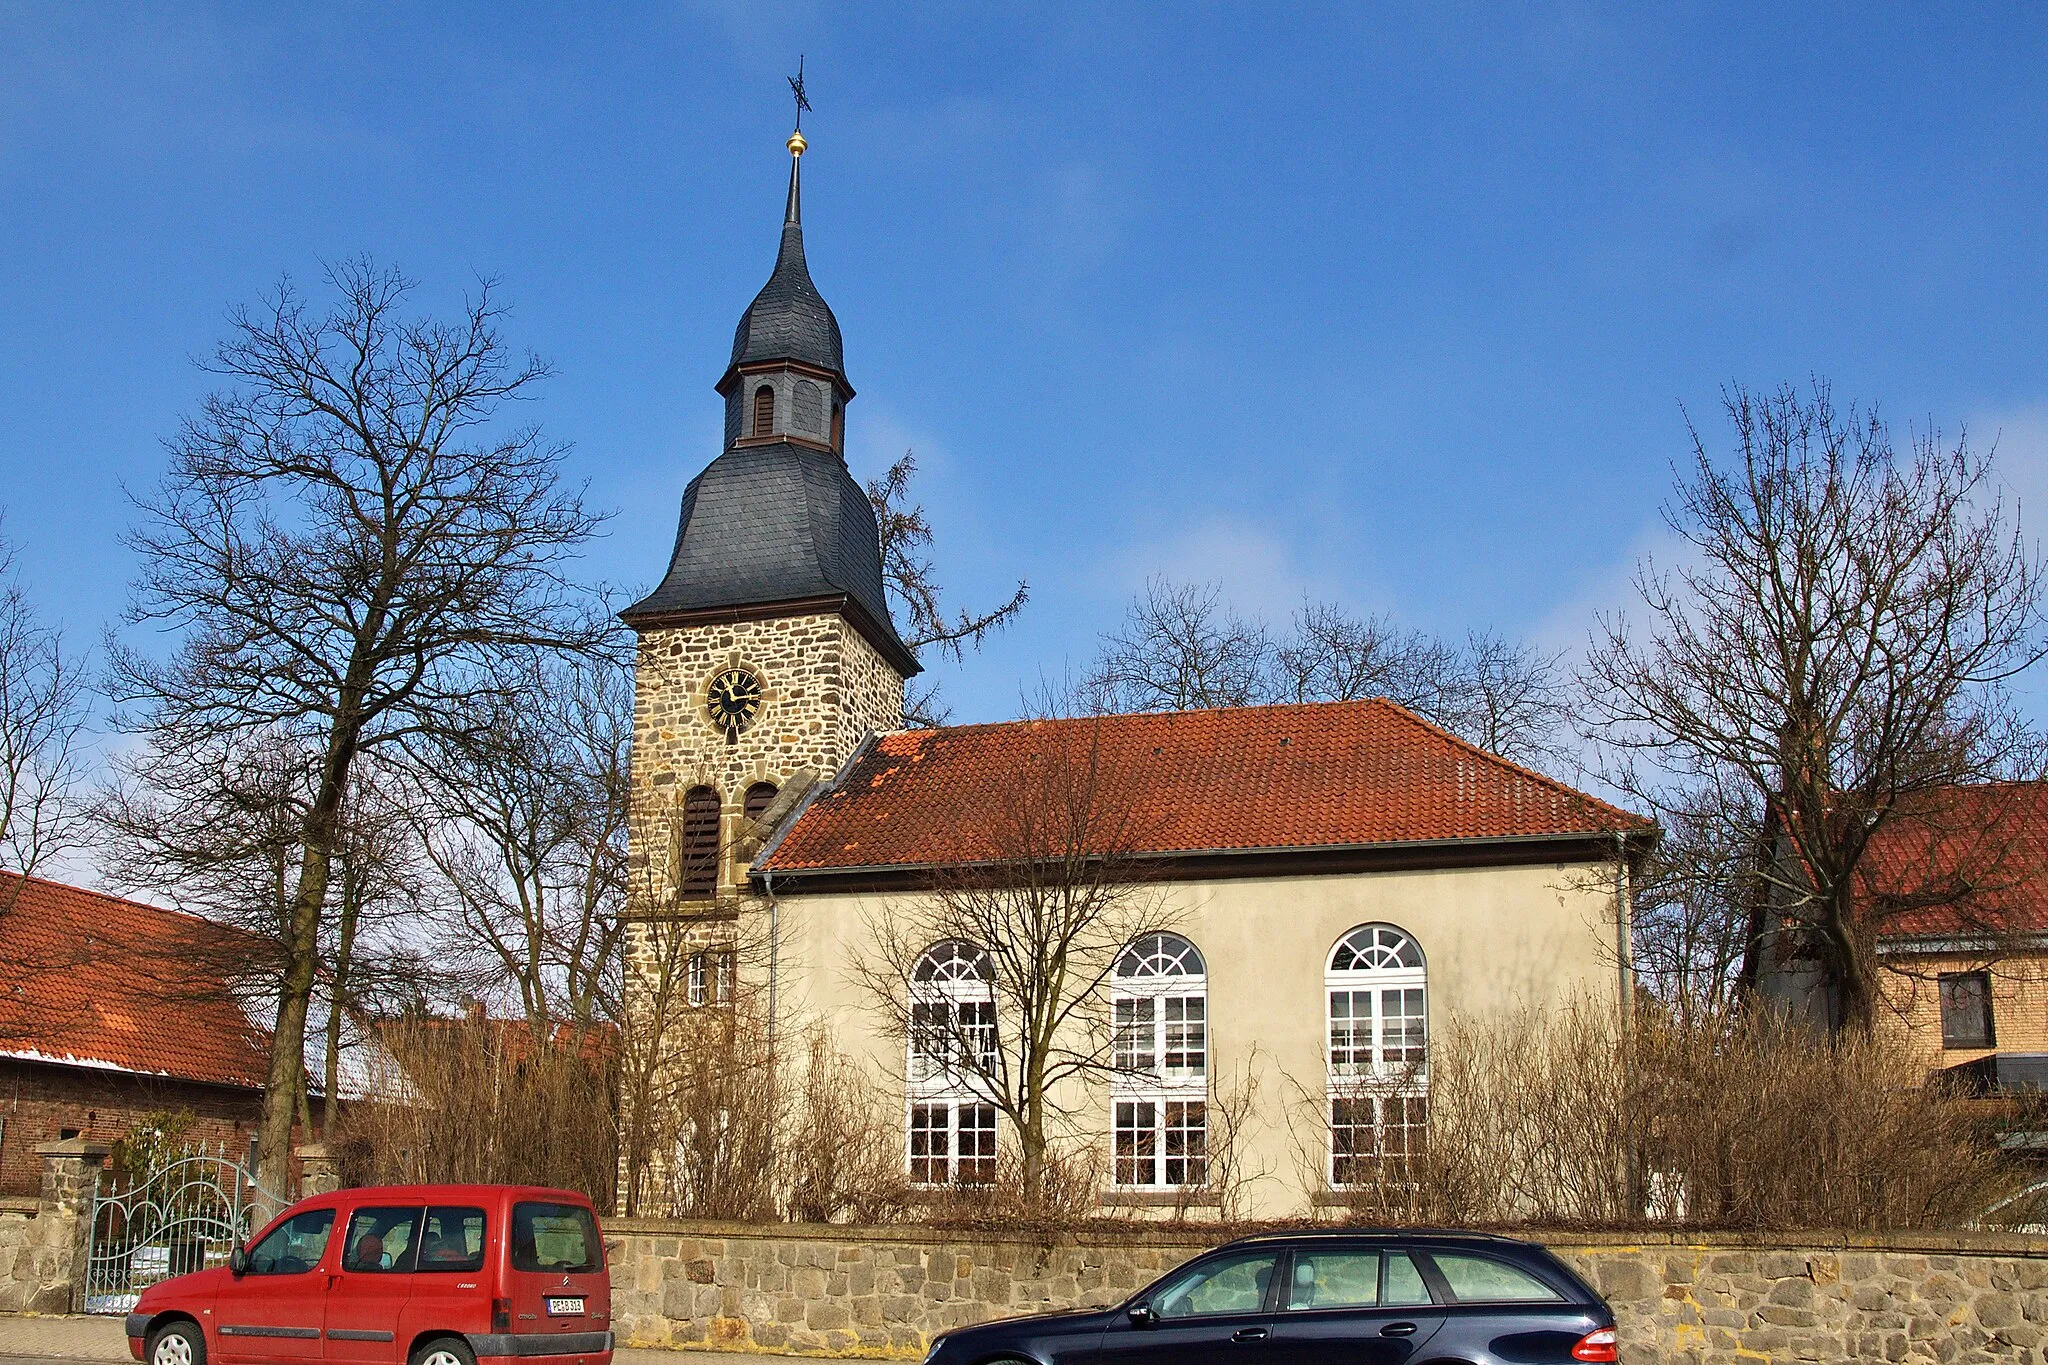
<point>1250,1334</point>
<point>1398,1329</point>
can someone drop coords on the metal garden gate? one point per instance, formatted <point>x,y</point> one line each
<point>186,1214</point>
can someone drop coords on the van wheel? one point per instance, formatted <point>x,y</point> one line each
<point>439,1351</point>
<point>178,1343</point>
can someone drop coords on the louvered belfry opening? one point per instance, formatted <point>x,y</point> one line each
<point>764,411</point>
<point>759,797</point>
<point>700,844</point>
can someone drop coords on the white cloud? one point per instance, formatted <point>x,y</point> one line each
<point>1259,568</point>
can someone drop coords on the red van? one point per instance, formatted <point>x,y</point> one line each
<point>396,1275</point>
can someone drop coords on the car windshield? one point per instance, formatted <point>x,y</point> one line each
<point>555,1237</point>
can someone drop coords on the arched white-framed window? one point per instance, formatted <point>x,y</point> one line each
<point>1159,1054</point>
<point>1376,989</point>
<point>951,1124</point>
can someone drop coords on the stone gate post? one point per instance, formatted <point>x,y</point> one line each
<point>63,1235</point>
<point>318,1173</point>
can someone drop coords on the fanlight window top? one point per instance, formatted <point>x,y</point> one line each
<point>1152,956</point>
<point>955,960</point>
<point>1376,948</point>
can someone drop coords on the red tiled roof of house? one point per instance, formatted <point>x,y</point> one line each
<point>1964,860</point>
<point>1320,775</point>
<point>93,980</point>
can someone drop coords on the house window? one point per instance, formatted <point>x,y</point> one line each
<point>1374,1138</point>
<point>711,977</point>
<point>1377,992</point>
<point>1966,1009</point>
<point>1159,1052</point>
<point>698,872</point>
<point>952,1054</point>
<point>764,410</point>
<point>952,1143</point>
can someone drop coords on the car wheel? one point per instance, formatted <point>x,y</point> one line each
<point>178,1343</point>
<point>439,1351</point>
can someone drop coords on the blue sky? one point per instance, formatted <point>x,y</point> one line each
<point>1393,304</point>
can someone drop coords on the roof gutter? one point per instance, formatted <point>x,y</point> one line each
<point>1593,840</point>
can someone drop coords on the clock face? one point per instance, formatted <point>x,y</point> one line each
<point>734,699</point>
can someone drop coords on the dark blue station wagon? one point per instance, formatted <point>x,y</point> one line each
<point>1320,1298</point>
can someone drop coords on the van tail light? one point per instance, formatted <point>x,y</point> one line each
<point>501,1322</point>
<point>1597,1346</point>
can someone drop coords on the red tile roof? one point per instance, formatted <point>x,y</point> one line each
<point>1322,775</point>
<point>1964,860</point>
<point>93,980</point>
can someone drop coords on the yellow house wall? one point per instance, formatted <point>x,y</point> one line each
<point>2019,1003</point>
<point>1495,939</point>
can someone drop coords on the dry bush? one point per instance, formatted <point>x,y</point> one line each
<point>1772,1127</point>
<point>1559,1119</point>
<point>842,1148</point>
<point>717,1134</point>
<point>481,1102</point>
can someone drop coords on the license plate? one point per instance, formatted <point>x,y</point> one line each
<point>565,1307</point>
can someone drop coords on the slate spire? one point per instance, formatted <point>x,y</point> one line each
<point>777,525</point>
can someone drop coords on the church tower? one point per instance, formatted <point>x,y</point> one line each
<point>767,649</point>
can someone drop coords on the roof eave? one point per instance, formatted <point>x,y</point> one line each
<point>1218,863</point>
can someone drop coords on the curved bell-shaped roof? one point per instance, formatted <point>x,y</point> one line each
<point>788,319</point>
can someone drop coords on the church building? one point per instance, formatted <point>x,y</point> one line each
<point>1331,882</point>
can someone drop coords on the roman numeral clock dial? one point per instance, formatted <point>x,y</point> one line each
<point>733,700</point>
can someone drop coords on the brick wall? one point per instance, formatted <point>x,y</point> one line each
<point>2019,1004</point>
<point>885,1292</point>
<point>39,1102</point>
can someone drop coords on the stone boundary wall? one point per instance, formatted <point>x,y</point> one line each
<point>1691,1299</point>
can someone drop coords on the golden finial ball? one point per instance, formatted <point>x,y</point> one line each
<point>797,144</point>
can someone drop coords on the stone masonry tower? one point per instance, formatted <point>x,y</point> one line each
<point>767,650</point>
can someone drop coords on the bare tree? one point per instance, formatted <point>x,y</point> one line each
<point>1695,903</point>
<point>1182,647</point>
<point>524,824</point>
<point>216,829</point>
<point>44,707</point>
<point>912,582</point>
<point>348,537</point>
<point>1050,893</point>
<point>1832,660</point>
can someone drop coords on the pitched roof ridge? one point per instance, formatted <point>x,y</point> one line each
<point>1098,717</point>
<point>1562,788</point>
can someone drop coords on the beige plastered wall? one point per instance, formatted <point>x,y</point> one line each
<point>1496,939</point>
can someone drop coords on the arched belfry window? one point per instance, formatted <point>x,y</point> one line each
<point>1159,1001</point>
<point>838,426</point>
<point>952,1127</point>
<point>1376,984</point>
<point>764,410</point>
<point>697,875</point>
<point>759,798</point>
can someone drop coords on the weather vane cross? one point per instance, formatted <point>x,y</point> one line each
<point>796,87</point>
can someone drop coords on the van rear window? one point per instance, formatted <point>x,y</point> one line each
<point>555,1237</point>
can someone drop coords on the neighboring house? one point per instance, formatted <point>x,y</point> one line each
<point>1340,879</point>
<point>1954,890</point>
<point>111,1011</point>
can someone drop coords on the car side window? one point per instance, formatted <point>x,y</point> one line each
<point>1229,1284</point>
<point>1481,1279</point>
<point>1333,1279</point>
<point>1402,1286</point>
<point>453,1239</point>
<point>294,1246</point>
<point>381,1240</point>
